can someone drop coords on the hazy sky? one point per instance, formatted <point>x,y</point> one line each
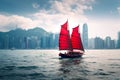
<point>101,16</point>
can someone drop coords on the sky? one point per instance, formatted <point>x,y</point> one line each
<point>101,16</point>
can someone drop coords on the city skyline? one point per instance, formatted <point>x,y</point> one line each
<point>38,38</point>
<point>101,16</point>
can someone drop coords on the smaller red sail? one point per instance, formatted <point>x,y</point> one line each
<point>76,39</point>
<point>65,25</point>
<point>64,38</point>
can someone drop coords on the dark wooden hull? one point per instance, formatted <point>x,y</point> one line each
<point>71,55</point>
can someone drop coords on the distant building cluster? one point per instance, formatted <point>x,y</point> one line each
<point>47,42</point>
<point>38,38</point>
<point>97,42</point>
<point>32,42</point>
<point>31,39</point>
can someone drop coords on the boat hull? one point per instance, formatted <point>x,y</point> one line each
<point>71,55</point>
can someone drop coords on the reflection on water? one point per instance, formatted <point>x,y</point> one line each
<point>66,64</point>
<point>72,69</point>
<point>46,65</point>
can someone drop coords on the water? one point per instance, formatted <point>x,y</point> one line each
<point>46,65</point>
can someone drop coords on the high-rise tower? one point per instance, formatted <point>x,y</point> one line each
<point>118,41</point>
<point>85,36</point>
<point>108,42</point>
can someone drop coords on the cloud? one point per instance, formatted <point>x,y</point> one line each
<point>50,20</point>
<point>35,5</point>
<point>118,10</point>
<point>60,11</point>
<point>8,22</point>
<point>71,6</point>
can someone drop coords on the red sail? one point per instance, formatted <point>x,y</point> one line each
<point>65,25</point>
<point>76,39</point>
<point>64,38</point>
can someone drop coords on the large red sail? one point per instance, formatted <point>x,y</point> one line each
<point>64,38</point>
<point>76,39</point>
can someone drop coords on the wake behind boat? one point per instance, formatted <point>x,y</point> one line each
<point>72,44</point>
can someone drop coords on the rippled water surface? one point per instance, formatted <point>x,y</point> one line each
<point>46,65</point>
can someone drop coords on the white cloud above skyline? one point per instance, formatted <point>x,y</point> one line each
<point>13,21</point>
<point>59,12</point>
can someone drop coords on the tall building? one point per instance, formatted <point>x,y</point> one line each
<point>99,43</point>
<point>56,40</point>
<point>44,42</point>
<point>38,42</point>
<point>26,42</point>
<point>32,42</point>
<point>51,40</point>
<point>85,36</point>
<point>118,41</point>
<point>112,44</point>
<point>108,42</point>
<point>6,42</point>
<point>91,44</point>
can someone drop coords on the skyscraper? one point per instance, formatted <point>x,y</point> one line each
<point>26,42</point>
<point>6,46</point>
<point>85,36</point>
<point>118,41</point>
<point>108,42</point>
<point>91,44</point>
<point>112,44</point>
<point>99,43</point>
<point>56,40</point>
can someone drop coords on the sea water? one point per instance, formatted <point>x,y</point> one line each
<point>46,65</point>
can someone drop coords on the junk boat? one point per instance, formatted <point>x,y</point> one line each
<point>72,44</point>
